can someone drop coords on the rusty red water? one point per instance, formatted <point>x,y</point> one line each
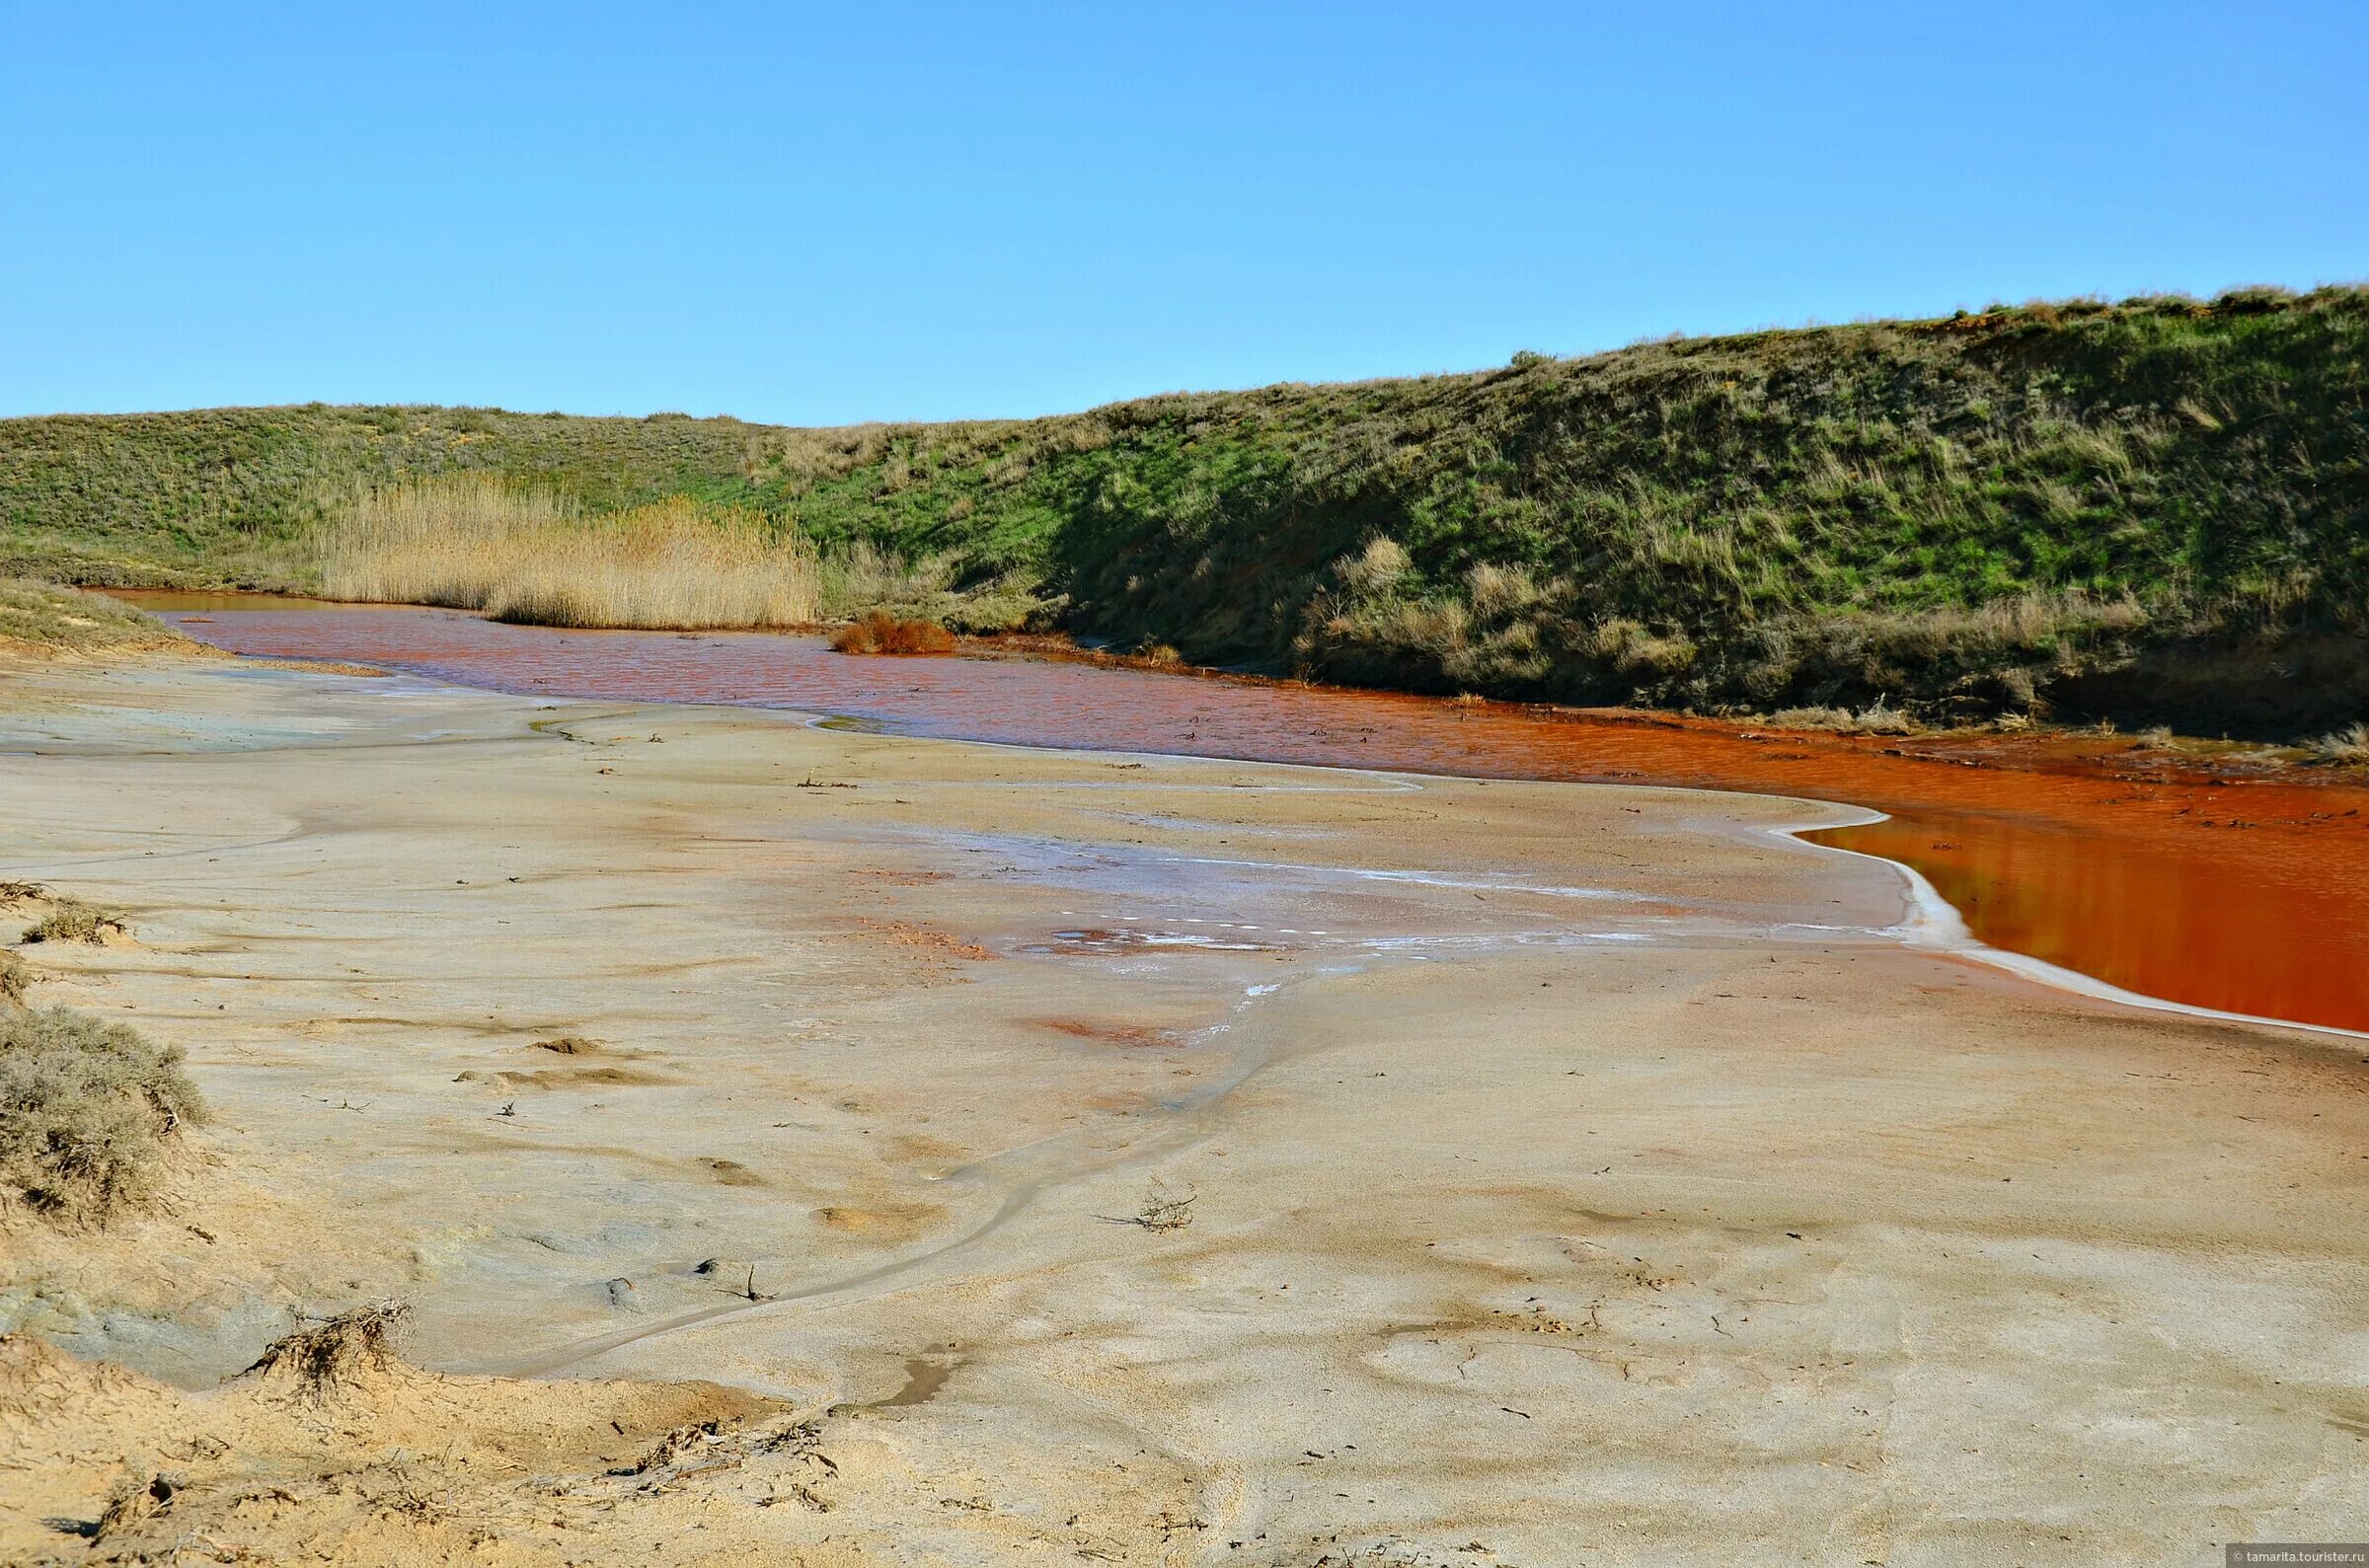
<point>2243,894</point>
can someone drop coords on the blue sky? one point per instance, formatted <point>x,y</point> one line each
<point>857,212</point>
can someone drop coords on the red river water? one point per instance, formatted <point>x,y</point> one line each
<point>2207,884</point>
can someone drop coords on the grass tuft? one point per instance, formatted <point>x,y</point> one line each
<point>2347,745</point>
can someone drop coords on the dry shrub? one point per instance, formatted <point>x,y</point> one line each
<point>881,632</point>
<point>16,978</point>
<point>522,554</point>
<point>322,1357</point>
<point>132,1502</point>
<point>86,1109</point>
<point>1163,1211</point>
<point>70,920</point>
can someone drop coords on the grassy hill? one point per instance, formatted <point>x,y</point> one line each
<point>2157,509</point>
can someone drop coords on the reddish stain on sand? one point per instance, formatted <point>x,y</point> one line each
<point>2244,894</point>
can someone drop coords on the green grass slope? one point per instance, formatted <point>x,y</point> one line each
<point>2152,510</point>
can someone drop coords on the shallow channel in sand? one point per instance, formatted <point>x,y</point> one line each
<point>2099,855</point>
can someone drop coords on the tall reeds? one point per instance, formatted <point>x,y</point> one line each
<point>524,553</point>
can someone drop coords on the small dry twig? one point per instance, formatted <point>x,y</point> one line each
<point>1163,1211</point>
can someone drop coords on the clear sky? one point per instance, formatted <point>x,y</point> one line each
<point>843,212</point>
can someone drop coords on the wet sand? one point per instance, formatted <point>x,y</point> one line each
<point>2180,871</point>
<point>1577,1174</point>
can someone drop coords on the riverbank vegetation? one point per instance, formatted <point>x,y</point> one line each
<point>2349,745</point>
<point>522,551</point>
<point>2152,510</point>
<point>44,617</point>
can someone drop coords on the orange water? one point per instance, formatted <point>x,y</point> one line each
<point>2244,894</point>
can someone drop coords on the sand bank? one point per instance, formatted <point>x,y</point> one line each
<point>1576,1174</point>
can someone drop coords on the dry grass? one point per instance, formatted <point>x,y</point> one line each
<point>86,1109</point>
<point>519,552</point>
<point>49,619</point>
<point>1877,718</point>
<point>2347,745</point>
<point>881,632</point>
<point>860,577</point>
<point>70,920</point>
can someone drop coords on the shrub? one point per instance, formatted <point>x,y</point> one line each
<point>70,920</point>
<point>881,632</point>
<point>87,1110</point>
<point>16,978</point>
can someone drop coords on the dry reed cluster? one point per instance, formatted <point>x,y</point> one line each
<point>518,552</point>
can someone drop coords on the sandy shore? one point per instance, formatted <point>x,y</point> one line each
<point>1576,1174</point>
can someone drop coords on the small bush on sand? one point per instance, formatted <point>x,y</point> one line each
<point>70,920</point>
<point>321,1357</point>
<point>881,632</point>
<point>2349,744</point>
<point>16,978</point>
<point>86,1109</point>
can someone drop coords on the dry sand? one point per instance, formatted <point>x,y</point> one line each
<point>1576,1174</point>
